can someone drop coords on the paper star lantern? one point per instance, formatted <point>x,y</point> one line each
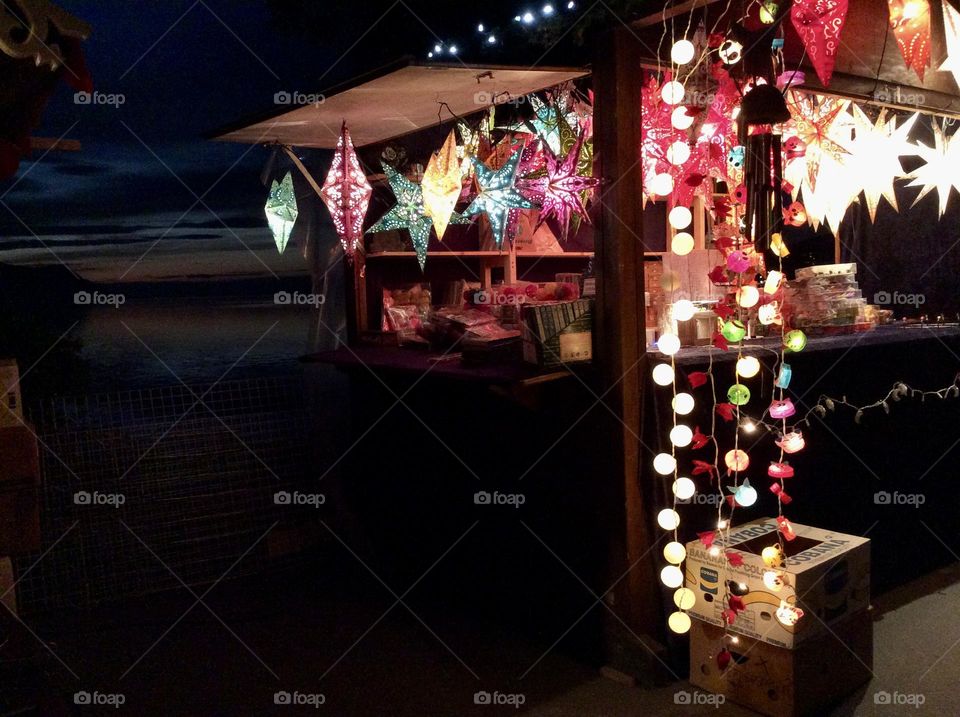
<point>561,190</point>
<point>940,170</point>
<point>951,29</point>
<point>545,123</point>
<point>441,185</point>
<point>408,213</point>
<point>819,24</point>
<point>281,211</point>
<point>346,192</point>
<point>498,194</point>
<point>875,153</point>
<point>910,22</point>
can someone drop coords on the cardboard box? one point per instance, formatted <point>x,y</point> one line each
<point>779,682</point>
<point>555,334</point>
<point>826,574</point>
<point>11,402</point>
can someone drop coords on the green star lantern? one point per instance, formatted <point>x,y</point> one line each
<point>498,194</point>
<point>281,211</point>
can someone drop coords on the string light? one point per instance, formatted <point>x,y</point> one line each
<point>668,519</point>
<point>674,552</point>
<point>663,374</point>
<point>682,52</point>
<point>684,310</point>
<point>683,404</point>
<point>680,217</point>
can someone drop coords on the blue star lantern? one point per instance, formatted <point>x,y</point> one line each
<point>498,195</point>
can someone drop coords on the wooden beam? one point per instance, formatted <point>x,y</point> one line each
<point>669,13</point>
<point>620,352</point>
<point>48,144</point>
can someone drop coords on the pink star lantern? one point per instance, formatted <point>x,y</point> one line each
<point>346,192</point>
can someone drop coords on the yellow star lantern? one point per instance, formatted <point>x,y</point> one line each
<point>441,185</point>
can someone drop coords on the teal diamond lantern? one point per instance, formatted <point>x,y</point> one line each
<point>281,211</point>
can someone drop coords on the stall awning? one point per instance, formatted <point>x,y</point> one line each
<point>395,103</point>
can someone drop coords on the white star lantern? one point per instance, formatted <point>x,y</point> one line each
<point>940,170</point>
<point>951,29</point>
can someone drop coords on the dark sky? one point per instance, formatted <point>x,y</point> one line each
<point>181,69</point>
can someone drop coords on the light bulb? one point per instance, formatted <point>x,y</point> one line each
<point>680,217</point>
<point>674,552</point>
<point>745,495</point>
<point>548,10</point>
<point>774,279</point>
<point>664,464</point>
<point>668,344</point>
<point>683,404</point>
<point>748,296</point>
<point>661,185</point>
<point>680,119</point>
<point>681,436</point>
<point>737,460</point>
<point>772,580</point>
<point>683,310</point>
<point>682,52</point>
<point>748,367</point>
<point>663,374</point>
<point>672,92</point>
<point>671,576</point>
<point>684,488</point>
<point>678,152</point>
<point>668,519</point>
<point>685,598</point>
<point>679,622</point>
<point>682,244</point>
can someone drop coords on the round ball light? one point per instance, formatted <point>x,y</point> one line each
<point>668,519</point>
<point>671,576</point>
<point>738,394</point>
<point>663,374</point>
<point>684,488</point>
<point>681,436</point>
<point>679,622</point>
<point>685,598</point>
<point>795,340</point>
<point>748,367</point>
<point>737,460</point>
<point>683,310</point>
<point>748,296</point>
<point>678,152</point>
<point>680,217</point>
<point>661,185</point>
<point>682,244</point>
<point>664,464</point>
<point>672,92</point>
<point>668,344</point>
<point>674,552</point>
<point>681,119</point>
<point>683,404</point>
<point>682,52</point>
<point>734,331</point>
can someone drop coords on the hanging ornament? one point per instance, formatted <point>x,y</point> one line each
<point>780,471</point>
<point>792,442</point>
<point>281,211</point>
<point>788,615</point>
<point>910,22</point>
<point>498,195</point>
<point>819,24</point>
<point>745,494</point>
<point>782,409</point>
<point>874,159</point>
<point>951,29</point>
<point>346,192</point>
<point>940,171</point>
<point>441,185</point>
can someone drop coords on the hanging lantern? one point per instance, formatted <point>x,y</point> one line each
<point>346,193</point>
<point>780,471</point>
<point>782,409</point>
<point>281,211</point>
<point>738,394</point>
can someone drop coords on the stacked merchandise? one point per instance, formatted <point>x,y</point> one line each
<point>827,300</point>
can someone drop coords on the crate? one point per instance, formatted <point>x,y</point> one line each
<point>557,334</point>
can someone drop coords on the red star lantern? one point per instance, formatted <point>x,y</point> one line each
<point>346,192</point>
<point>910,22</point>
<point>819,24</point>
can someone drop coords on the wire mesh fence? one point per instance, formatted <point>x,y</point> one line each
<point>147,490</point>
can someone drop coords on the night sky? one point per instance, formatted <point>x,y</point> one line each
<point>183,69</point>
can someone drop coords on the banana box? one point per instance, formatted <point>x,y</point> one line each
<point>790,596</point>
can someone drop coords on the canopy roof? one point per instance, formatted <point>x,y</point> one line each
<point>396,102</point>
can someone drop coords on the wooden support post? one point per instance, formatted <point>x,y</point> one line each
<point>620,356</point>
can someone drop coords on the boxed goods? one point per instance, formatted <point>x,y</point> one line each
<point>556,334</point>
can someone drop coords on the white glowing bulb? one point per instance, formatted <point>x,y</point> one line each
<point>682,52</point>
<point>714,551</point>
<point>438,48</point>
<point>682,244</point>
<point>492,39</point>
<point>527,17</point>
<point>723,524</point>
<point>683,404</point>
<point>678,152</point>
<point>684,488</point>
<point>772,580</point>
<point>672,92</point>
<point>685,598</point>
<point>748,367</point>
<point>661,185</point>
<point>668,519</point>
<point>748,296</point>
<point>680,217</point>
<point>663,374</point>
<point>746,495</point>
<point>548,10</point>
<point>664,464</point>
<point>480,27</point>
<point>680,119</point>
<point>668,344</point>
<point>683,310</point>
<point>681,436</point>
<point>679,622</point>
<point>452,50</point>
<point>674,552</point>
<point>671,576</point>
<point>774,279</point>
